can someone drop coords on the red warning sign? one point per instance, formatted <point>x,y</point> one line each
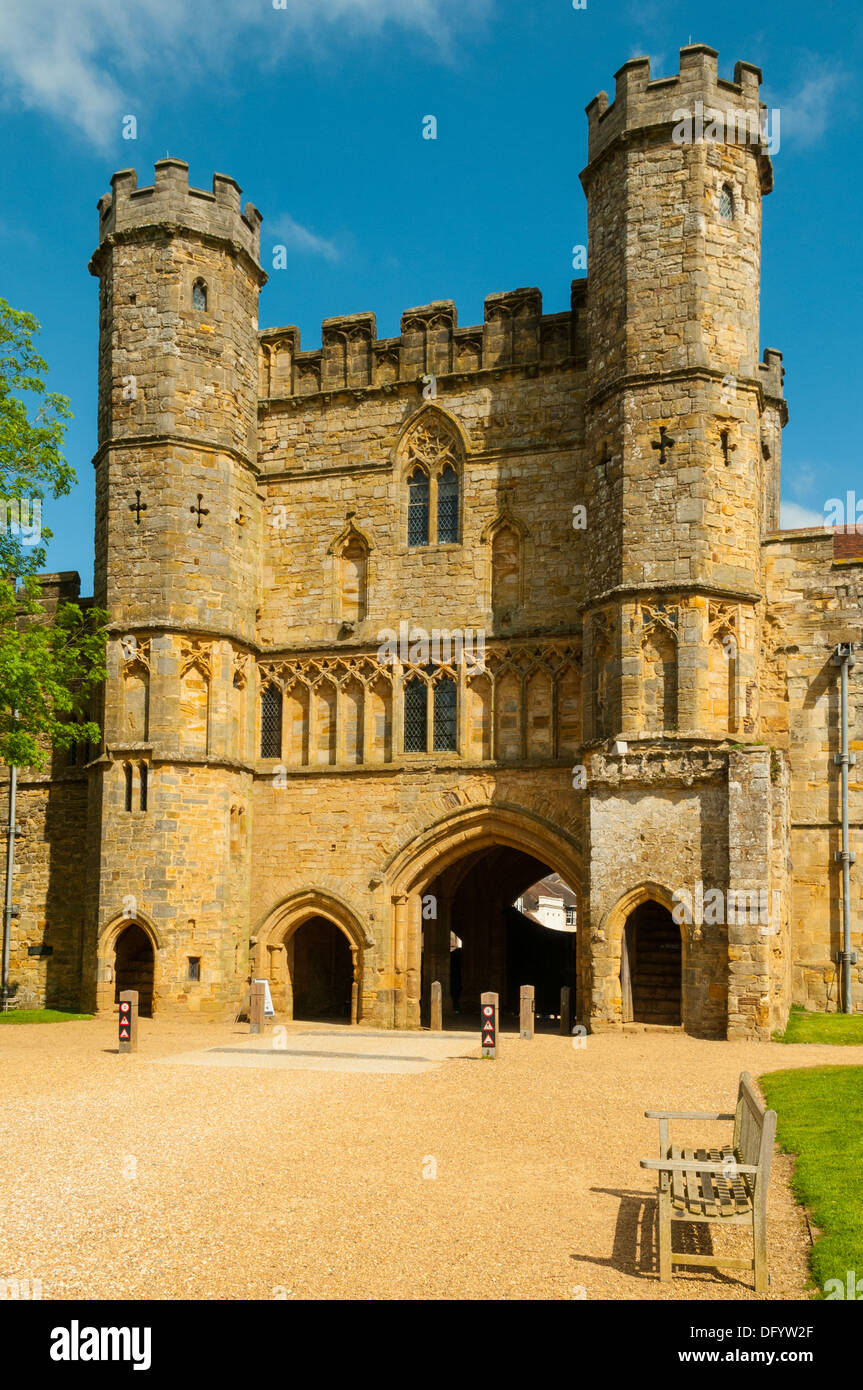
<point>489,1038</point>
<point>126,1024</point>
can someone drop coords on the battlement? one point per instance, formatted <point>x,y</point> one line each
<point>771,373</point>
<point>514,333</point>
<point>641,102</point>
<point>169,199</point>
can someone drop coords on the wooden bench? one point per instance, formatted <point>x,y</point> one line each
<point>725,1184</point>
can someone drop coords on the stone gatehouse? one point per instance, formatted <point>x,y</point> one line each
<point>399,625</point>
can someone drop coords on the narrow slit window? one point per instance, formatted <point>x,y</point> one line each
<point>194,967</point>
<point>144,773</point>
<point>447,507</point>
<point>418,508</point>
<point>726,203</point>
<point>271,722</point>
<point>199,296</point>
<point>127,774</point>
<point>416,701</point>
<point>445,722</point>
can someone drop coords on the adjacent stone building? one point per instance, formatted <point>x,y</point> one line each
<point>398,626</point>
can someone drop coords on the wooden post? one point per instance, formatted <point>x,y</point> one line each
<point>436,1007</point>
<point>489,1003</point>
<point>256,1006</point>
<point>564,1010</point>
<point>527,1011</point>
<point>129,1020</point>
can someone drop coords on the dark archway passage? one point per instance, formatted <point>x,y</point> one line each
<point>322,971</point>
<point>134,967</point>
<point>651,958</point>
<point>502,949</point>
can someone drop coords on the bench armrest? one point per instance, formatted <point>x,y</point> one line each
<point>684,1115</point>
<point>686,1165</point>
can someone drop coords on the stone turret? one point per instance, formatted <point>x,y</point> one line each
<point>680,488</point>
<point>178,520</point>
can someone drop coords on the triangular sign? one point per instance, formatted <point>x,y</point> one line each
<point>124,1032</point>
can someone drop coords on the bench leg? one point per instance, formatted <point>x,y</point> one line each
<point>664,1223</point>
<point>759,1240</point>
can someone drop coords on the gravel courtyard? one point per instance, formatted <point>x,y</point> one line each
<point>140,1177</point>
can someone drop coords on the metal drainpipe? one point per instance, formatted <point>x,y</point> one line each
<point>10,869</point>
<point>843,657</point>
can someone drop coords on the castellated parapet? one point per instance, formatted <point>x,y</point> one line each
<point>170,201</point>
<point>514,334</point>
<point>641,104</point>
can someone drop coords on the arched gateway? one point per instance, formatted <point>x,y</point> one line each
<point>311,949</point>
<point>459,876</point>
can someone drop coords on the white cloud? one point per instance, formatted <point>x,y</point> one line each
<point>284,231</point>
<point>793,517</point>
<point>85,62</point>
<point>814,107</point>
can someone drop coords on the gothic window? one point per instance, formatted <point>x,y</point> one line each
<point>434,457</point>
<point>415,699</point>
<point>445,721</point>
<point>271,722</point>
<point>418,508</point>
<point>143,772</point>
<point>447,506</point>
<point>199,296</point>
<point>726,203</point>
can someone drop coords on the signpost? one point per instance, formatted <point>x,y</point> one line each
<point>257,1005</point>
<point>564,1010</point>
<point>488,1012</point>
<point>527,1011</point>
<point>436,1007</point>
<point>129,1020</point>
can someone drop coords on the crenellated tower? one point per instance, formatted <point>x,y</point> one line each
<point>681,420</point>
<point>178,521</point>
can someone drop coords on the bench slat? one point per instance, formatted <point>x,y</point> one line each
<point>727,1206</point>
<point>710,1208</point>
<point>693,1184</point>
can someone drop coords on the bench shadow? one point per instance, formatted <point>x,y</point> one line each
<point>635,1250</point>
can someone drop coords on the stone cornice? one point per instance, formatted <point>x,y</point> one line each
<point>145,441</point>
<point>154,231</point>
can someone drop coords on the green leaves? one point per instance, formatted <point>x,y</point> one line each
<point>32,430</point>
<point>49,663</point>
<point>50,660</point>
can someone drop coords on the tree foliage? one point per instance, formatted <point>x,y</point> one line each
<point>49,664</point>
<point>32,429</point>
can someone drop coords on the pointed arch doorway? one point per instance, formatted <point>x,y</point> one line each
<point>321,969</point>
<point>651,967</point>
<point>135,967</point>
<point>312,947</point>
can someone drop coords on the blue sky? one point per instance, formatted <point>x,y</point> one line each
<point>316,109</point>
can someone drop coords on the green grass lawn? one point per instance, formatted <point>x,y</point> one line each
<point>820,1121</point>
<point>39,1016</point>
<point>805,1027</point>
